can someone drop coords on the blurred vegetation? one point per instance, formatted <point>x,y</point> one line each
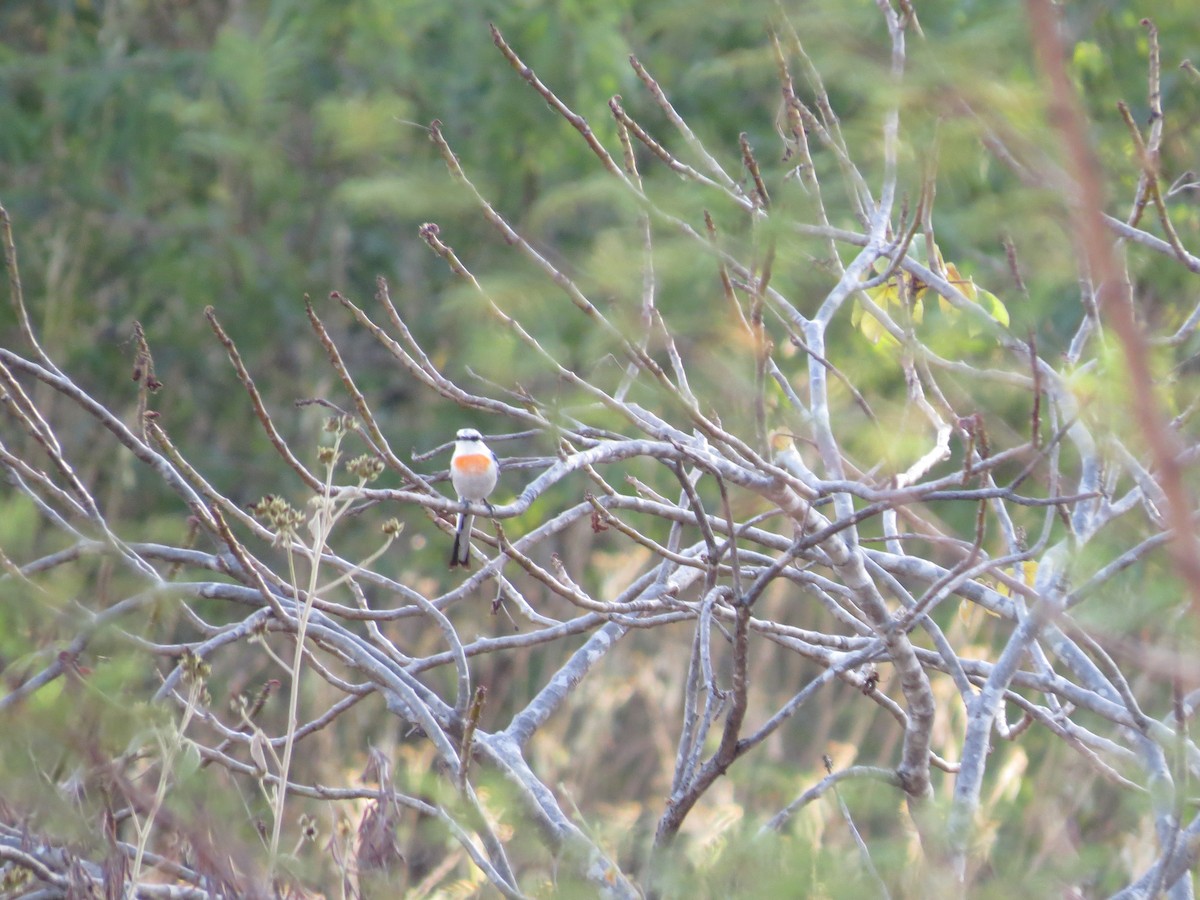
<point>161,157</point>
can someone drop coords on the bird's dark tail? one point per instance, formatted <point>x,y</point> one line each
<point>460,555</point>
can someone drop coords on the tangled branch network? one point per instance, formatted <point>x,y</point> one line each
<point>773,520</point>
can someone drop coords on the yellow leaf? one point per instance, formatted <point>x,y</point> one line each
<point>970,614</point>
<point>965,285</point>
<point>873,331</point>
<point>1025,572</point>
<point>996,309</point>
<point>989,302</point>
<point>937,254</point>
<point>884,295</point>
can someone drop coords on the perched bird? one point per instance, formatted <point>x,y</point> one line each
<point>473,472</point>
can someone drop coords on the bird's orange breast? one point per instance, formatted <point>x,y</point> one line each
<point>472,463</point>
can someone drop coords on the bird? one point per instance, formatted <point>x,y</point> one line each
<point>474,470</point>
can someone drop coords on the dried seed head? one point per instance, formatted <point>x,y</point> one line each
<point>365,467</point>
<point>280,515</point>
<point>195,668</point>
